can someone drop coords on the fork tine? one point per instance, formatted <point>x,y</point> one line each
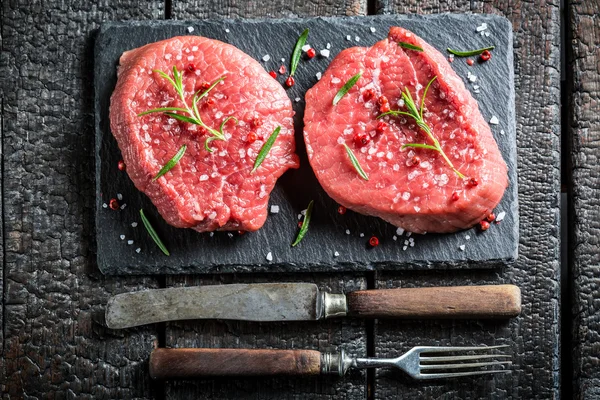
<point>465,365</point>
<point>459,374</point>
<point>448,349</point>
<point>462,358</point>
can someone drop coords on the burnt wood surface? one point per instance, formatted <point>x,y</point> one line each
<point>55,347</point>
<point>535,332</point>
<point>584,201</point>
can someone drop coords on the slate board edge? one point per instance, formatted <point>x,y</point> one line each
<point>344,266</point>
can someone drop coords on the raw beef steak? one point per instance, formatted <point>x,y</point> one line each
<point>204,191</point>
<point>412,188</point>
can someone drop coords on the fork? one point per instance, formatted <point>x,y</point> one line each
<point>421,362</point>
<point>428,362</point>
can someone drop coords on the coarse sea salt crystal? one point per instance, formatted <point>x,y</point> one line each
<point>211,234</point>
<point>467,237</point>
<point>138,250</point>
<point>119,196</point>
<point>347,231</point>
<point>328,45</point>
<point>417,208</point>
<point>230,234</point>
<point>203,178</point>
<point>408,234</point>
<point>122,237</point>
<point>502,131</point>
<point>212,215</point>
<point>274,209</point>
<point>482,27</point>
<point>395,238</point>
<point>266,57</point>
<point>306,48</point>
<point>178,57</point>
<point>104,205</point>
<point>348,37</point>
<point>324,53</point>
<point>399,231</point>
<point>168,56</point>
<point>405,196</point>
<point>269,256</point>
<point>462,247</point>
<point>130,242</point>
<point>341,140</point>
<point>227,30</point>
<point>297,99</point>
<point>494,120</point>
<point>380,154</point>
<point>357,38</point>
<point>190,29</point>
<point>372,29</point>
<point>362,234</point>
<point>396,167</point>
<point>318,75</point>
<point>336,254</point>
<point>123,206</point>
<point>404,248</point>
<point>335,80</point>
<point>134,224</point>
<point>500,216</point>
<point>473,78</point>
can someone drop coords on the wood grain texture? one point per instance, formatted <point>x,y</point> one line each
<point>491,301</point>
<point>53,346</point>
<point>533,336</point>
<point>584,128</point>
<point>203,363</point>
<point>324,336</point>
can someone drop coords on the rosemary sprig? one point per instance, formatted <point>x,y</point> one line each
<point>190,114</point>
<point>470,52</point>
<point>171,163</point>
<point>264,150</point>
<point>297,52</point>
<point>410,46</point>
<point>346,88</point>
<point>153,233</point>
<point>417,115</point>
<point>361,172</point>
<point>305,222</point>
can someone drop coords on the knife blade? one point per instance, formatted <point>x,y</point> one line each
<point>305,302</point>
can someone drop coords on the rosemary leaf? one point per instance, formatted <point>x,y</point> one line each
<point>425,94</point>
<point>355,163</point>
<point>193,115</point>
<point>420,146</point>
<point>470,52</point>
<point>227,120</point>
<point>297,52</point>
<point>346,88</point>
<point>305,223</point>
<point>162,109</point>
<point>171,163</point>
<point>410,46</point>
<point>153,233</point>
<point>264,150</point>
<point>182,118</point>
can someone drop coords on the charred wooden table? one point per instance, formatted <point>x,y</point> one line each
<point>52,345</point>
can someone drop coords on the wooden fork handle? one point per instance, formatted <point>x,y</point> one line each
<point>493,301</point>
<point>198,363</point>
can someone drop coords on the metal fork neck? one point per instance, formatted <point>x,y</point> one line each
<point>373,362</point>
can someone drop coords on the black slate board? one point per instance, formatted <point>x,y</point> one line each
<point>192,252</point>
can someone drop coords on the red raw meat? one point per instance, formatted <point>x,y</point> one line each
<point>428,197</point>
<point>204,191</point>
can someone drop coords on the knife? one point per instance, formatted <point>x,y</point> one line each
<point>305,302</point>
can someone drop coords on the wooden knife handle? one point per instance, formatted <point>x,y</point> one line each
<point>198,363</point>
<point>493,301</point>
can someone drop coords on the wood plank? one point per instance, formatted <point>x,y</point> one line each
<point>54,291</point>
<point>583,72</point>
<point>323,336</point>
<point>533,336</point>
